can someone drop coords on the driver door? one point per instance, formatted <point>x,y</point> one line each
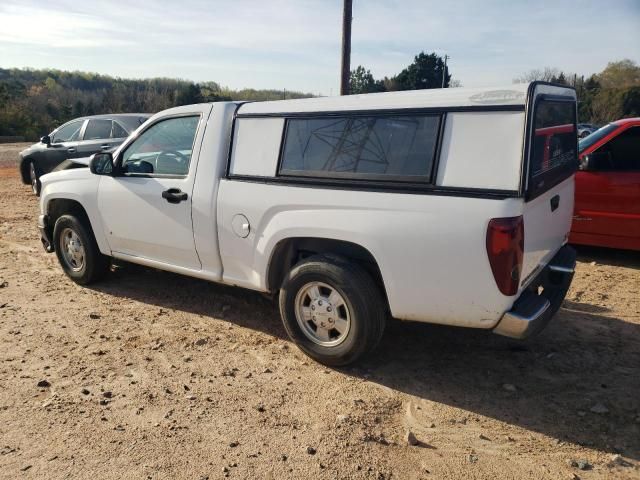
<point>146,209</point>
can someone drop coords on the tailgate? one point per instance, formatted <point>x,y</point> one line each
<point>552,161</point>
<point>547,221</point>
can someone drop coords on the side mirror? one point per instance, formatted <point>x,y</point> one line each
<point>597,161</point>
<point>101,164</point>
<point>46,140</point>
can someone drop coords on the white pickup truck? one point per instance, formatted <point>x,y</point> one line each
<point>447,206</point>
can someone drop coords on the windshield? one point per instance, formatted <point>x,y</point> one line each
<point>596,136</point>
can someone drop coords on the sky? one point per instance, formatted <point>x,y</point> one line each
<point>295,44</point>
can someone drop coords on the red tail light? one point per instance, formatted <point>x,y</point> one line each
<point>505,247</point>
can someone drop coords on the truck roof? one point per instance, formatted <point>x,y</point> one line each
<point>514,94</point>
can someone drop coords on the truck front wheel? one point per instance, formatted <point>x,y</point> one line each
<point>78,252</point>
<point>332,309</point>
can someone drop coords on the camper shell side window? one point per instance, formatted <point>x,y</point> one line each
<point>397,147</point>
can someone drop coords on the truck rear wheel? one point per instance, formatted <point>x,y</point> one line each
<point>78,252</point>
<point>332,309</point>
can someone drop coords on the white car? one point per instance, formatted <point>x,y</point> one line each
<point>448,206</point>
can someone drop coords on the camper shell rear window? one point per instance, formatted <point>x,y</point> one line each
<point>554,144</point>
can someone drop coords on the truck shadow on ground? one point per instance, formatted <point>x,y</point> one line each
<point>584,359</point>
<point>562,378</point>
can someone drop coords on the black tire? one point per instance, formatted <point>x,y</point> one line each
<point>363,298</point>
<point>34,178</point>
<point>94,265</point>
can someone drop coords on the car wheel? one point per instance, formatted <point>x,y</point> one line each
<point>78,252</point>
<point>34,178</point>
<point>332,309</point>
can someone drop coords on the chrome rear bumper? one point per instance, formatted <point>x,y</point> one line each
<point>533,310</point>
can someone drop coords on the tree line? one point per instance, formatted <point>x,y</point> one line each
<point>609,95</point>
<point>428,70</point>
<point>33,102</point>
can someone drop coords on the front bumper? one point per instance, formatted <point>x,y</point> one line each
<point>533,310</point>
<point>45,233</point>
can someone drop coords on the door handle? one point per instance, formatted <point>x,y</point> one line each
<point>555,202</point>
<point>104,147</point>
<point>71,150</point>
<point>174,195</point>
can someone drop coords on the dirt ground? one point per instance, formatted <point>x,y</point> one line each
<point>153,375</point>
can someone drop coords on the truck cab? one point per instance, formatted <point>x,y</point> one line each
<point>440,206</point>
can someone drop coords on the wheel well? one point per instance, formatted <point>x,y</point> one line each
<point>63,206</point>
<point>290,251</point>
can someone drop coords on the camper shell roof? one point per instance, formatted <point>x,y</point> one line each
<point>510,96</point>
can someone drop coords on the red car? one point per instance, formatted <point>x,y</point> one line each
<point>607,204</point>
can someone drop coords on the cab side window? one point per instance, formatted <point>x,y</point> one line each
<point>68,133</point>
<point>623,152</point>
<point>165,148</point>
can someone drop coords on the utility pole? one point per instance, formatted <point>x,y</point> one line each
<point>444,70</point>
<point>346,47</point>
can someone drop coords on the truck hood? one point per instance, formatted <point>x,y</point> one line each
<point>77,174</point>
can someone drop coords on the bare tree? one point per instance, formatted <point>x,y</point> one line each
<point>546,75</point>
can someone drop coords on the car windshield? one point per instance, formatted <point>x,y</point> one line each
<point>596,136</point>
